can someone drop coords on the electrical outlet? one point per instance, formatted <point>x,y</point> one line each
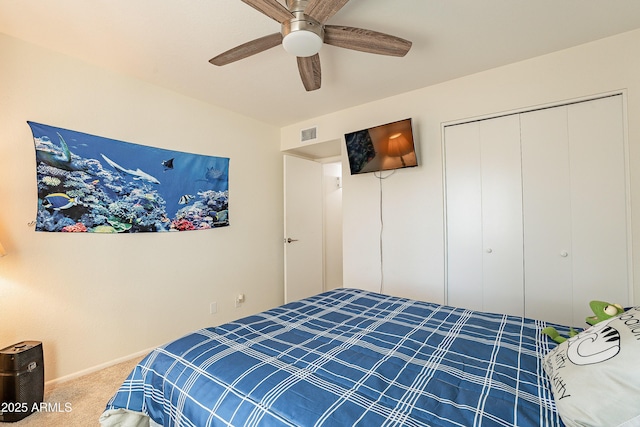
<point>213,308</point>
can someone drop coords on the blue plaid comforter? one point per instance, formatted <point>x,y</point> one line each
<point>349,357</point>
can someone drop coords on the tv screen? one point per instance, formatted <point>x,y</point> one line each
<point>381,148</point>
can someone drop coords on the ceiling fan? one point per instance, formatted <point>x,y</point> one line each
<point>303,33</point>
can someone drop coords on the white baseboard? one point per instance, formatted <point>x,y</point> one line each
<point>98,367</point>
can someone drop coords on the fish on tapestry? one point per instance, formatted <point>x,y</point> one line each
<point>168,164</point>
<point>88,183</point>
<point>184,200</point>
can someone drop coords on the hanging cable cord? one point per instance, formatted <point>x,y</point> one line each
<point>380,178</point>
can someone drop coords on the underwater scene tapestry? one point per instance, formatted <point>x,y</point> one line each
<point>92,184</point>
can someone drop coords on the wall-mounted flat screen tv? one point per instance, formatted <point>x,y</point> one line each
<point>381,148</point>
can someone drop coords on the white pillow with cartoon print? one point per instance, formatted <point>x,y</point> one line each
<point>595,376</point>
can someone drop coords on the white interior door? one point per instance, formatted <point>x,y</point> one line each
<point>484,216</point>
<point>464,216</point>
<point>303,255</point>
<point>547,212</point>
<point>598,203</point>
<point>502,264</point>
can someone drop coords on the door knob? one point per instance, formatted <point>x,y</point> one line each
<point>564,254</point>
<point>489,250</point>
<point>289,240</point>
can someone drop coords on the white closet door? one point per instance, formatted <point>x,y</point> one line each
<point>464,216</point>
<point>484,216</point>
<point>537,212</point>
<point>502,216</point>
<point>548,251</point>
<point>598,199</point>
<point>574,198</point>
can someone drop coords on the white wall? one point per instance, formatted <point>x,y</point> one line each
<point>91,298</point>
<point>413,198</point>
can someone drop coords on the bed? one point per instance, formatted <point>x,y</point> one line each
<point>347,357</point>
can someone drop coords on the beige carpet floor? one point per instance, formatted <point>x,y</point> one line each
<point>81,401</point>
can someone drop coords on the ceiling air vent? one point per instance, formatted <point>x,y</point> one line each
<point>309,135</point>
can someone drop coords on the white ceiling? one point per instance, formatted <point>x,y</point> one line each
<point>169,43</point>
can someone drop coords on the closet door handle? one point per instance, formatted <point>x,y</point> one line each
<point>564,254</point>
<point>489,250</point>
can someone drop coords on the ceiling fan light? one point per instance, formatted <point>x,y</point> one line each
<point>302,43</point>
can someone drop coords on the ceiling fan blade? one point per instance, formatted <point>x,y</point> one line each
<point>365,40</point>
<point>271,8</point>
<point>247,49</point>
<point>322,10</point>
<point>309,68</point>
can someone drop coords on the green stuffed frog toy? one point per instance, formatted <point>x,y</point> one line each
<point>601,310</point>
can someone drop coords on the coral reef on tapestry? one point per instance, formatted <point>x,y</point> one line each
<point>87,183</point>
